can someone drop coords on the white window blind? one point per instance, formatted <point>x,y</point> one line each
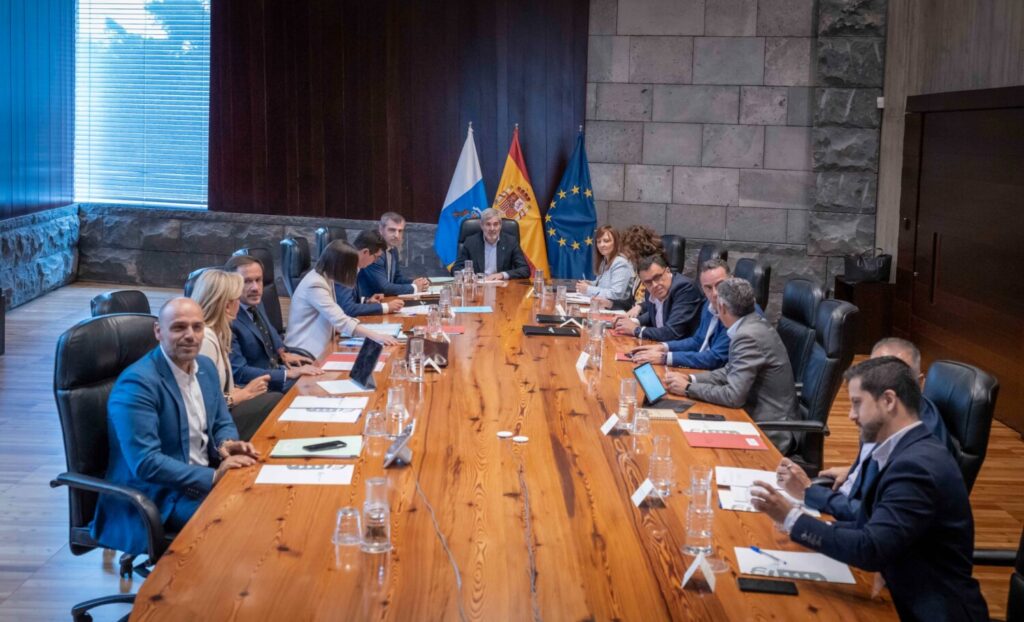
<point>142,89</point>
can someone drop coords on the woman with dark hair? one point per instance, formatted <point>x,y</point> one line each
<point>637,242</point>
<point>314,315</point>
<point>615,273</point>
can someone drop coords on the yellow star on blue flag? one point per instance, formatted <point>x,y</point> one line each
<point>575,219</point>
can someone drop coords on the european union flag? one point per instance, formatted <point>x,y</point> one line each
<point>571,220</point>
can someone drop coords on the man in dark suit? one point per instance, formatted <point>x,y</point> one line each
<point>844,497</point>
<point>671,306</point>
<point>170,433</point>
<point>256,347</point>
<point>757,376</point>
<point>915,524</point>
<point>492,252</point>
<point>384,275</point>
<point>370,246</point>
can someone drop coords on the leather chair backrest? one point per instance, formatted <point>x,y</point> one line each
<point>122,301</point>
<point>966,399</point>
<point>323,238</point>
<point>295,261</point>
<point>800,300</point>
<point>90,356</point>
<point>190,280</point>
<point>710,251</point>
<point>265,257</point>
<point>675,251</point>
<point>271,303</point>
<point>1015,603</point>
<point>759,276</point>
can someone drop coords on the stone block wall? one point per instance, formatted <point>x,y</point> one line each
<point>38,253</point>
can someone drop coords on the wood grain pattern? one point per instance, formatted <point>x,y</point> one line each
<point>543,529</point>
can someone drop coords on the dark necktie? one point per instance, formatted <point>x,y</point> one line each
<point>389,265</point>
<point>268,343</point>
<point>867,477</point>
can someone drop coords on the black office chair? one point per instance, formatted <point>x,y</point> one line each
<point>675,251</point>
<point>800,300</point>
<point>830,356</point>
<point>1008,558</point>
<point>759,276</point>
<point>471,226</point>
<point>323,238</point>
<point>271,302</point>
<point>90,356</point>
<point>710,251</point>
<point>190,280</point>
<point>295,262</point>
<point>966,399</point>
<point>121,301</point>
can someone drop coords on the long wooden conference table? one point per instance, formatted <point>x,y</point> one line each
<point>538,530</point>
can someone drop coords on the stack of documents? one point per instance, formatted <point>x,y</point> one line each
<point>417,310</point>
<point>792,565</point>
<point>292,474</point>
<point>574,298</point>
<point>722,434</point>
<point>325,409</point>
<point>734,485</point>
<point>346,366</point>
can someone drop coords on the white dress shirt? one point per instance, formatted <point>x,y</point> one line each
<point>195,409</point>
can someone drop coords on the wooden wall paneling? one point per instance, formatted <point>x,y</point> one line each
<point>906,248</point>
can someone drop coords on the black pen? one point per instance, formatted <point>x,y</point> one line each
<point>325,446</point>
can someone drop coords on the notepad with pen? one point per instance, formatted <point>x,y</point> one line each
<point>552,331</point>
<point>293,447</point>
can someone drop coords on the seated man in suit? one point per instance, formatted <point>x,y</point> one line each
<point>757,376</point>
<point>371,247</point>
<point>384,275</point>
<point>170,433</point>
<point>671,306</point>
<point>256,347</point>
<point>915,524</point>
<point>844,497</point>
<point>708,346</point>
<point>494,253</point>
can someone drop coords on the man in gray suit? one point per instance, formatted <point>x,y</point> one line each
<point>757,377</point>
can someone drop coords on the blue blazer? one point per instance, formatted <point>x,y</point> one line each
<point>915,527</point>
<point>845,507</point>
<point>147,430</point>
<point>681,309</point>
<point>348,299</point>
<point>686,352</point>
<point>374,278</point>
<point>249,357</point>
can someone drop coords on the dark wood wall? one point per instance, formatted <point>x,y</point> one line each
<point>37,39</point>
<point>349,108</point>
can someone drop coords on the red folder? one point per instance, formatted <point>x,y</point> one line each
<point>453,330</point>
<point>724,441</point>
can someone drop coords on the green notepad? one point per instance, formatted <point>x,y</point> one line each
<point>292,447</point>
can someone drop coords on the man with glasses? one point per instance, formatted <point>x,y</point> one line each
<point>671,306</point>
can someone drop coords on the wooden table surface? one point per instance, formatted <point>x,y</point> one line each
<point>542,530</point>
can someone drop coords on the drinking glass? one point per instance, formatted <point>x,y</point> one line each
<point>467,267</point>
<point>699,522</point>
<point>434,321</point>
<point>376,423</point>
<point>444,302</point>
<point>661,471</point>
<point>399,370</point>
<point>347,529</point>
<point>596,350</point>
<point>416,359</point>
<point>376,517</point>
<point>396,412</point>
<point>641,422</point>
<point>538,283</point>
<point>627,403</point>
<point>560,294</point>
<point>700,485</point>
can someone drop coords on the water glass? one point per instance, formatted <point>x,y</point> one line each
<point>627,403</point>
<point>444,302</point>
<point>416,359</point>
<point>376,517</point>
<point>458,292</point>
<point>560,294</point>
<point>467,268</point>
<point>396,411</point>
<point>538,283</point>
<point>662,474</point>
<point>700,485</point>
<point>699,522</point>
<point>399,370</point>
<point>347,529</point>
<point>595,348</point>
<point>434,322</point>
<point>641,422</point>
<point>376,424</point>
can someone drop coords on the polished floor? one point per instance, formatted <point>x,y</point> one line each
<point>40,579</point>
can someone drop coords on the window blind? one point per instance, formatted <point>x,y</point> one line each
<point>142,81</point>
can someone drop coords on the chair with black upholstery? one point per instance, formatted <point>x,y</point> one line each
<point>1008,558</point>
<point>121,301</point>
<point>295,261</point>
<point>966,398</point>
<point>800,300</point>
<point>470,226</point>
<point>758,274</point>
<point>675,251</point>
<point>830,356</point>
<point>323,238</point>
<point>90,357</point>
<point>271,303</point>
<point>190,280</point>
<point>710,251</point>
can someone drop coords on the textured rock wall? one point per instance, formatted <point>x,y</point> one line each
<point>37,253</point>
<point>148,246</point>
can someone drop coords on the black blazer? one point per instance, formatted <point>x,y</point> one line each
<point>915,527</point>
<point>681,311</point>
<point>510,257</point>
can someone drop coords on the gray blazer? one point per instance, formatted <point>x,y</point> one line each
<point>615,281</point>
<point>757,377</point>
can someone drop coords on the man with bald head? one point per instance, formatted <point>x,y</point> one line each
<point>843,498</point>
<point>169,432</point>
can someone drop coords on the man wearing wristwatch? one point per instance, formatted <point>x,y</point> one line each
<point>671,307</point>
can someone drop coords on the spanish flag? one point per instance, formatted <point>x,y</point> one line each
<point>515,200</point>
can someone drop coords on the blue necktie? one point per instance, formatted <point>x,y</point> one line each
<point>867,477</point>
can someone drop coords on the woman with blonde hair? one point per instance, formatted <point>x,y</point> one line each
<point>218,294</point>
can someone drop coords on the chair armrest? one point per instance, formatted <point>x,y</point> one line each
<point>300,352</point>
<point>150,513</point>
<point>813,427</point>
<point>799,386</point>
<point>1005,558</point>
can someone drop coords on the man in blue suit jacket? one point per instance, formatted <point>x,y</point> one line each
<point>915,524</point>
<point>170,434</point>
<point>384,276</point>
<point>671,307</point>
<point>370,246</point>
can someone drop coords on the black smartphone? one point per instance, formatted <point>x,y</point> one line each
<point>706,417</point>
<point>767,586</point>
<point>323,446</point>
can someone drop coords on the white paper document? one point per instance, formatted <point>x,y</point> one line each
<point>735,476</point>
<point>347,366</point>
<point>322,415</point>
<point>576,298</point>
<point>341,387</point>
<point>805,566</point>
<point>720,427</point>
<point>323,474</point>
<point>334,403</point>
<point>417,310</point>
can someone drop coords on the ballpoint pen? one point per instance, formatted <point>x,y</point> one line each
<point>769,555</point>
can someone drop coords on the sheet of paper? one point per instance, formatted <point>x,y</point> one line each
<point>577,299</point>
<point>333,403</point>
<point>294,447</point>
<point>303,474</point>
<point>737,499</point>
<point>735,476</point>
<point>805,566</point>
<point>385,328</point>
<point>609,424</point>
<point>417,310</point>
<point>472,310</point>
<point>350,357</point>
<point>441,279</point>
<point>347,366</point>
<point>581,362</point>
<point>322,415</point>
<point>342,387</point>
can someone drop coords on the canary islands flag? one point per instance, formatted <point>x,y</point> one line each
<point>466,197</point>
<point>571,220</point>
<point>515,200</point>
